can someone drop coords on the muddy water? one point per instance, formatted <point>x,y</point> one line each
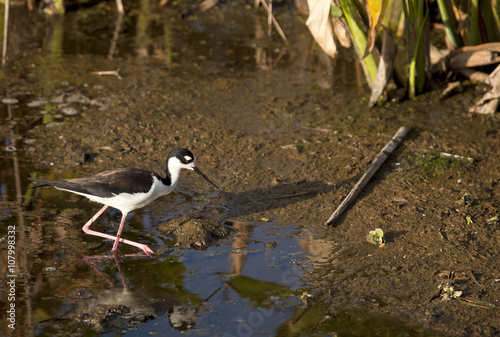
<point>286,133</point>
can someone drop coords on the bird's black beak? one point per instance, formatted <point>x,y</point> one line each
<point>197,170</point>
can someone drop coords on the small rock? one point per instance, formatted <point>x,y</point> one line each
<point>80,293</point>
<point>270,244</point>
<point>194,232</point>
<point>77,97</point>
<point>9,100</point>
<point>36,103</point>
<point>58,99</point>
<point>50,125</point>
<point>70,111</point>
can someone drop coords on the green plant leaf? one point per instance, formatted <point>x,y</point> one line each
<point>358,37</point>
<point>336,11</point>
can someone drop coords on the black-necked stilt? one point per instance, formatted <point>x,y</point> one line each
<point>127,189</point>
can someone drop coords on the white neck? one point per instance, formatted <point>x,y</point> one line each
<point>174,167</point>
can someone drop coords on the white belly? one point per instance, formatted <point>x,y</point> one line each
<point>127,202</point>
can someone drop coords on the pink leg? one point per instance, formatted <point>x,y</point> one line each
<point>117,239</point>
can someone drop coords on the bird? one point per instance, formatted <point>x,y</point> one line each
<point>127,189</point>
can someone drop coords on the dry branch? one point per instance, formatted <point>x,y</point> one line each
<point>375,165</point>
<point>119,6</point>
<point>5,31</point>
<point>276,24</point>
<point>108,72</point>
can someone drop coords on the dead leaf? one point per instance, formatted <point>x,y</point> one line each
<point>385,67</point>
<point>341,32</point>
<point>468,59</point>
<point>320,25</point>
<point>201,7</point>
<point>376,12</point>
<point>488,104</point>
<point>438,58</point>
<point>475,76</point>
<point>474,56</point>
<point>451,88</point>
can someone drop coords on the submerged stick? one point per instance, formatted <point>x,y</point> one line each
<point>108,72</point>
<point>276,24</point>
<point>375,165</point>
<point>116,35</point>
<point>5,31</point>
<point>119,6</point>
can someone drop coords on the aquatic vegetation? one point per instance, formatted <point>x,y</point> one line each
<point>448,292</point>
<point>376,237</point>
<point>374,26</point>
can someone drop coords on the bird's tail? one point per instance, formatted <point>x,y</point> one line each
<point>44,183</point>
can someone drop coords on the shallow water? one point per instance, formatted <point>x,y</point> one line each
<point>235,287</point>
<point>266,120</point>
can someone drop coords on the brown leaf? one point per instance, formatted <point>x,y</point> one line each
<point>341,32</point>
<point>320,25</point>
<point>480,55</point>
<point>488,104</point>
<point>450,89</point>
<point>475,76</point>
<point>385,67</point>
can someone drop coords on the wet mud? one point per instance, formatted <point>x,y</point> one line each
<point>285,150</point>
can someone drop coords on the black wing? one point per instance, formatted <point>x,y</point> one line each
<point>107,183</point>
